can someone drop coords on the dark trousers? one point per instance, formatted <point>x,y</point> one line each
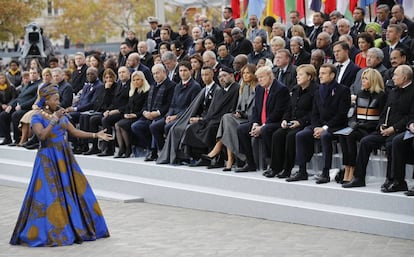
<point>140,130</point>
<point>90,123</point>
<point>366,146</point>
<point>159,129</point>
<point>109,121</point>
<point>245,140</point>
<point>305,148</point>
<point>284,149</point>
<point>402,153</point>
<point>349,146</point>
<point>12,117</point>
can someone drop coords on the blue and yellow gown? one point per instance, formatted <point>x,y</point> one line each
<point>60,207</point>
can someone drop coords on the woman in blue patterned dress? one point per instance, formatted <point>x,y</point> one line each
<point>59,207</point>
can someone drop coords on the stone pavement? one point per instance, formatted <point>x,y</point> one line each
<point>148,230</point>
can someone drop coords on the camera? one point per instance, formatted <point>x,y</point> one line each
<point>33,46</point>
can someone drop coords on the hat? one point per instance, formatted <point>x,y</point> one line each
<point>374,26</point>
<point>227,69</point>
<point>152,19</point>
<point>45,91</point>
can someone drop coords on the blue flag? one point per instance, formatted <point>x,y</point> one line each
<point>364,3</point>
<point>315,5</point>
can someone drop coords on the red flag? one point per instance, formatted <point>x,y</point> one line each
<point>330,6</point>
<point>279,9</point>
<point>235,6</point>
<point>352,5</point>
<point>300,7</point>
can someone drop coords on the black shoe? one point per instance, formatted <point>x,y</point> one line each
<point>227,169</point>
<point>339,177</point>
<point>267,171</point>
<point>216,162</point>
<point>76,150</point>
<point>153,156</point>
<point>119,155</point>
<point>283,174</point>
<point>199,162</point>
<point>246,168</point>
<point>298,176</point>
<point>270,174</point>
<point>107,152</point>
<point>93,150</point>
<point>318,176</point>
<point>208,158</point>
<point>323,179</point>
<point>6,142</point>
<point>32,146</point>
<point>12,144</point>
<point>355,182</point>
<point>396,186</point>
<point>386,184</point>
<point>410,192</point>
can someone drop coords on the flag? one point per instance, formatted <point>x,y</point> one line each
<point>343,7</point>
<point>330,6</point>
<point>296,5</point>
<point>352,5</point>
<point>279,9</point>
<point>364,3</point>
<point>255,7</point>
<point>315,5</point>
<point>235,6</point>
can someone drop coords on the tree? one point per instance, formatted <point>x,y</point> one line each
<point>15,15</point>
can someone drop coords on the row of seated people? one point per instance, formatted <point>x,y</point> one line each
<point>147,126</point>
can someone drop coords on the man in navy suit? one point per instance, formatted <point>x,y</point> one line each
<point>394,32</point>
<point>346,69</point>
<point>329,114</point>
<point>271,102</point>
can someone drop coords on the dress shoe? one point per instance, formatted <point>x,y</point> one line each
<point>199,162</point>
<point>410,192</point>
<point>339,177</point>
<point>298,176</point>
<point>92,151</point>
<point>207,158</point>
<point>246,168</point>
<point>153,156</point>
<point>355,182</point>
<point>119,155</point>
<point>13,144</point>
<point>227,169</point>
<point>283,174</point>
<point>386,184</point>
<point>396,186</point>
<point>270,174</point>
<point>32,146</point>
<point>216,162</point>
<point>105,153</point>
<point>323,179</point>
<point>6,142</point>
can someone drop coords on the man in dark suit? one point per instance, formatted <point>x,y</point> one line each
<point>79,75</point>
<point>124,51</point>
<point>64,88</point>
<point>382,16</point>
<point>271,102</point>
<point>158,103</point>
<point>145,56</point>
<point>134,64</point>
<point>210,31</point>
<point>169,59</point>
<point>184,93</point>
<point>294,17</point>
<point>317,27</point>
<point>359,24</point>
<point>228,21</point>
<point>346,69</point>
<point>240,44</point>
<point>17,107</point>
<point>284,71</point>
<point>398,16</point>
<point>210,59</point>
<point>398,111</point>
<point>259,51</point>
<point>329,114</point>
<point>394,32</point>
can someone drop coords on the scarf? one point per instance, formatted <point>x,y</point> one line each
<point>3,87</point>
<point>326,90</point>
<point>13,73</point>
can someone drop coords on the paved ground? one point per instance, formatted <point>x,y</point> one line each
<point>147,230</point>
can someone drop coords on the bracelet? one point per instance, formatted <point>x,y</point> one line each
<point>93,135</point>
<point>54,121</point>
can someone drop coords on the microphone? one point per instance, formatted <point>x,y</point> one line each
<point>64,113</point>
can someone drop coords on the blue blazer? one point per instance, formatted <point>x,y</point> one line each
<point>349,74</point>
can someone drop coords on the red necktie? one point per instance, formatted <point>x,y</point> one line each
<point>266,93</point>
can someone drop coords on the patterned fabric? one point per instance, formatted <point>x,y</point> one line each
<point>59,207</point>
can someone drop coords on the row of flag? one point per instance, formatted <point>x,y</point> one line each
<point>281,8</point>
